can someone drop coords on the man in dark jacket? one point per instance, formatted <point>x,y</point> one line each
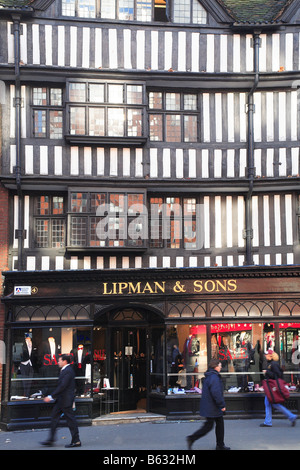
<point>212,406</point>
<point>64,395</point>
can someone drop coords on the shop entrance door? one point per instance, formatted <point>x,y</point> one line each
<point>130,366</point>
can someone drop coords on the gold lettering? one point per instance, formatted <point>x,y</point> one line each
<point>198,287</point>
<point>232,286</point>
<point>115,287</point>
<point>134,289</point>
<point>105,289</point>
<point>207,284</point>
<point>148,289</point>
<point>158,286</point>
<point>122,286</point>
<point>223,286</point>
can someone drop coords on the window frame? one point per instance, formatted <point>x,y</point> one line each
<point>162,242</point>
<point>50,217</point>
<point>121,138</point>
<point>89,214</point>
<point>48,108</point>
<point>164,112</point>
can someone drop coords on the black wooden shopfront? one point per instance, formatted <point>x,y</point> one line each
<point>128,322</point>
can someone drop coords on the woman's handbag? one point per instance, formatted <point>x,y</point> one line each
<point>276,390</point>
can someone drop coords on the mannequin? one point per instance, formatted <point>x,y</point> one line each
<point>188,354</point>
<point>80,355</point>
<point>26,365</point>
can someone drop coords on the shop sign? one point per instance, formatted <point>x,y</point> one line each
<point>197,286</point>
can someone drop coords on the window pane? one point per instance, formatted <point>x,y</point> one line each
<point>86,8</point>
<point>173,128</point>
<point>94,239</point>
<point>56,124</point>
<point>135,203</point>
<point>134,122</point>
<point>43,205</point>
<point>144,10</point>
<point>134,94</point>
<point>97,200</point>
<point>182,11</point>
<point>78,231</point>
<point>68,8</point>
<point>96,121</point>
<point>40,123</point>
<point>77,92</point>
<point>117,231</point>
<point>190,235</point>
<point>40,96</point>
<point>55,97</point>
<point>77,121</point>
<point>190,128</point>
<point>108,9</point>
<point>116,122</point>
<point>190,102</point>
<point>173,101</point>
<point>155,100</point>
<point>156,127</point>
<point>126,9</point>
<point>42,233</point>
<point>96,93</point>
<point>58,233</point>
<point>115,94</point>
<point>116,203</point>
<point>199,13</point>
<point>58,205</point>
<point>79,202</point>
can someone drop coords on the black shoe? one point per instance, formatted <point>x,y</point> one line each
<point>189,442</point>
<point>73,444</point>
<point>222,448</point>
<point>47,443</point>
<point>293,422</point>
<point>263,425</point>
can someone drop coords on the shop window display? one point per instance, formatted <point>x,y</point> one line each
<point>186,357</point>
<point>35,353</point>
<point>289,334</point>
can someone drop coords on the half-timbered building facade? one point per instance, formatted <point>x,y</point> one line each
<point>150,159</point>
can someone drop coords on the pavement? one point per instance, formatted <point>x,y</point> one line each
<point>139,436</point>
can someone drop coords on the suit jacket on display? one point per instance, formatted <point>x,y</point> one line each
<point>64,392</point>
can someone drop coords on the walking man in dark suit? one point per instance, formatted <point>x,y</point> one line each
<point>64,395</point>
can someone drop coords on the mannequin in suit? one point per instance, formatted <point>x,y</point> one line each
<point>188,357</point>
<point>80,357</point>
<point>64,395</point>
<point>27,364</point>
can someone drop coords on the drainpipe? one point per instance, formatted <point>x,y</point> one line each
<point>250,156</point>
<point>20,231</point>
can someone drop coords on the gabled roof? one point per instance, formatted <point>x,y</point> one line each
<point>257,11</point>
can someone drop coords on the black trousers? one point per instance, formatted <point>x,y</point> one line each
<point>208,426</point>
<point>69,415</point>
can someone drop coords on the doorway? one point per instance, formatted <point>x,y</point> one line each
<point>129,346</point>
